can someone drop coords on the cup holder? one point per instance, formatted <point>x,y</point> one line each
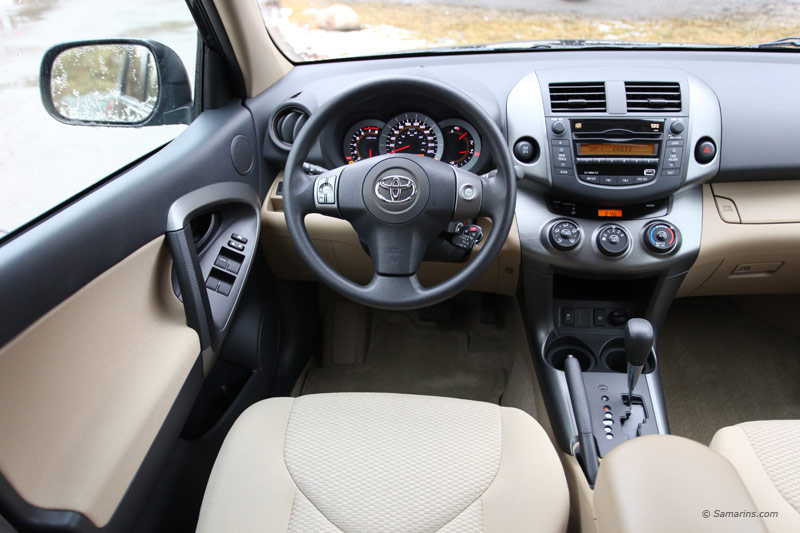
<point>614,358</point>
<point>559,350</point>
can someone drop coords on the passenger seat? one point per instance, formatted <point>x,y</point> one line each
<point>766,454</point>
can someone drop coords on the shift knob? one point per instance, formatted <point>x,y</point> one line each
<point>638,341</point>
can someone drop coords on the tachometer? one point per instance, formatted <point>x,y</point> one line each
<point>413,134</point>
<point>462,145</point>
<point>362,140</point>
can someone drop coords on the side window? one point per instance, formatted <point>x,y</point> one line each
<point>45,162</point>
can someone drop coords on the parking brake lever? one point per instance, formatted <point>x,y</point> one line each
<point>583,418</point>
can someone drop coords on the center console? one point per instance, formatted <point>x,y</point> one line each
<point>610,220</point>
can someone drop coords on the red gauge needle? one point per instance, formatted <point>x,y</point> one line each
<point>464,152</point>
<point>370,153</point>
<point>397,150</point>
<point>465,134</point>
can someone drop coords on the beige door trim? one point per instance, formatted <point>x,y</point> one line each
<point>86,388</point>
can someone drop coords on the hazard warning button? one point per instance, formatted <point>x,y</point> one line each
<point>705,151</point>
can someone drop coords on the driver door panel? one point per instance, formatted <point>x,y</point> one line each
<point>98,367</point>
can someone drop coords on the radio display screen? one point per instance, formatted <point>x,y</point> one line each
<point>616,149</point>
<point>613,213</point>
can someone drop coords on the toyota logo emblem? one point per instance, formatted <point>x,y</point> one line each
<point>396,189</point>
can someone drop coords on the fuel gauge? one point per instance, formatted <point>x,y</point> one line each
<point>462,144</point>
<point>361,140</point>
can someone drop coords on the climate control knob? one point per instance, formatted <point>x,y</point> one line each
<point>661,237</point>
<point>565,235</point>
<point>612,240</point>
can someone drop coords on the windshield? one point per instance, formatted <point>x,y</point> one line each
<point>310,30</point>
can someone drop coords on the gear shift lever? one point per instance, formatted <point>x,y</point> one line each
<point>638,343</point>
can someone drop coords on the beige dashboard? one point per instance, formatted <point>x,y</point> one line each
<point>750,242</point>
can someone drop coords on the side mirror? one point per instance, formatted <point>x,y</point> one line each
<point>120,82</point>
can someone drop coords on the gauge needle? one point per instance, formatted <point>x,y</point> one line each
<point>464,152</point>
<point>397,150</point>
<point>465,134</point>
<point>370,153</point>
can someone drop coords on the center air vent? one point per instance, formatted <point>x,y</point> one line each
<point>571,97</point>
<point>653,96</point>
<point>286,124</point>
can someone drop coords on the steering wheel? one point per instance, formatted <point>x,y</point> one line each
<point>398,204</point>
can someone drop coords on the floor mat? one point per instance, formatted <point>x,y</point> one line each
<point>721,365</point>
<point>405,355</point>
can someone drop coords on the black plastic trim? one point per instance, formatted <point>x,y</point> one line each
<point>193,291</point>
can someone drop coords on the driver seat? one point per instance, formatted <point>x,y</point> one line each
<point>364,462</point>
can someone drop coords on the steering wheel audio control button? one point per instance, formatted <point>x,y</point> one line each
<point>612,240</point>
<point>325,192</point>
<point>468,192</point>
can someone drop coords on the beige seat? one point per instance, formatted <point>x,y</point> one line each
<point>385,462</point>
<point>766,454</point>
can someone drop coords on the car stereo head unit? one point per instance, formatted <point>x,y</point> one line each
<point>617,152</point>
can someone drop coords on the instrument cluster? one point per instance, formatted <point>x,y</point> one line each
<point>453,141</point>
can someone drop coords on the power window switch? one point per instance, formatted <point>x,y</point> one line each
<point>233,267</point>
<point>221,262</point>
<point>212,283</point>
<point>224,288</point>
<point>599,318</point>
<point>240,238</point>
<point>567,316</point>
<point>236,245</point>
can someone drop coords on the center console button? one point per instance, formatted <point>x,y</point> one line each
<point>677,127</point>
<point>625,180</point>
<point>661,237</point>
<point>608,180</point>
<point>590,178</point>
<point>565,235</point>
<point>525,151</point>
<point>705,151</point>
<point>558,127</point>
<point>612,240</point>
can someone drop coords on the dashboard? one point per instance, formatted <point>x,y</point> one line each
<point>624,157</point>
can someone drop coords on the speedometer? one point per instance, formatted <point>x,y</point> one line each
<point>413,134</point>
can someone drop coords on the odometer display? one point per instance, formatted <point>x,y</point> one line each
<point>412,134</point>
<point>362,140</point>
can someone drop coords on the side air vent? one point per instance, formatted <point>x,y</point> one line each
<point>571,97</point>
<point>650,96</point>
<point>286,124</point>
